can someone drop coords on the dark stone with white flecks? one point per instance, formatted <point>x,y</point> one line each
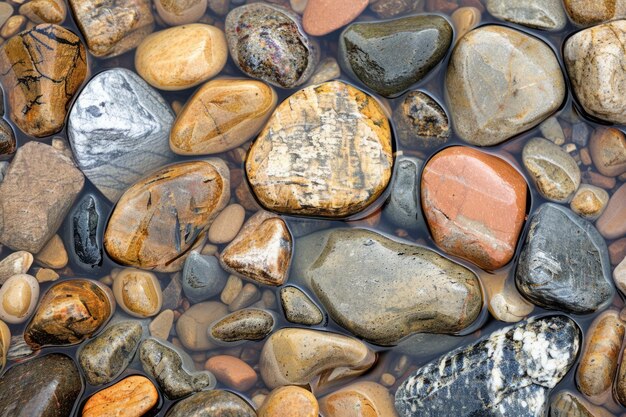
<point>203,277</point>
<point>403,207</point>
<point>510,373</point>
<point>119,130</point>
<point>564,263</point>
<point>87,228</point>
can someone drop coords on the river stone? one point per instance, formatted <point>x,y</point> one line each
<point>369,51</point>
<point>215,403</point>
<point>291,398</point>
<point>509,373</point>
<point>538,14</point>
<point>589,201</point>
<point>169,367</point>
<point>612,222</point>
<point>390,8</point>
<point>87,227</point>
<point>203,277</point>
<point>421,123</point>
<point>299,308</point>
<point>595,59</point>
<point>161,217</point>
<point>608,151</point>
<point>41,70</point>
<point>47,386</point>
<point>515,90</point>
<point>119,128</point>
<point>567,404</point>
<point>326,151</point>
<point>246,324</point>
<point>8,144</point>
<point>192,325</point>
<point>362,395</point>
<point>106,356</point>
<point>133,396</point>
<point>403,206</point>
<point>421,290</point>
<point>36,195</point>
<point>267,42</point>
<point>587,13</point>
<point>15,264</point>
<point>112,27</point>
<point>564,263</point>
<point>322,17</point>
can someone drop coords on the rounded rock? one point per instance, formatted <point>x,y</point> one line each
<point>351,401</point>
<point>180,12</point>
<point>5,344</point>
<point>289,401</point>
<point>538,14</point>
<point>608,151</point>
<point>299,308</point>
<point>589,201</point>
<point>612,222</point>
<point>203,277</point>
<point>18,298</point>
<point>16,263</point>
<point>421,123</point>
<point>132,396</point>
<point>246,324</point>
<point>586,13</point>
<point>232,372</point>
<point>215,403</point>
<point>138,292</point>
<point>45,11</point>
<point>227,224</point>
<point>322,17</point>
<point>192,326</point>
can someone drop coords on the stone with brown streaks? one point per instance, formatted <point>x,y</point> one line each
<point>326,151</point>
<point>112,27</point>
<point>587,13</point>
<point>41,70</point>
<point>261,251</point>
<point>160,218</point>
<point>132,396</point>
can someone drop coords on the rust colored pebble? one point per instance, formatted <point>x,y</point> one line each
<point>232,372</point>
<point>131,397</point>
<point>324,16</point>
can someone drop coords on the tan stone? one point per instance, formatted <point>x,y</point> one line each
<point>227,224</point>
<point>248,295</point>
<point>130,397</point>
<point>53,255</point>
<point>192,326</point>
<point>14,264</point>
<point>326,151</point>
<point>589,201</point>
<point>45,11</point>
<point>608,151</point>
<point>6,11</point>
<point>328,69</point>
<point>231,289</point>
<point>232,372</point>
<point>46,275</point>
<point>361,399</point>
<point>161,325</point>
<point>180,12</point>
<point>181,57</point>
<point>13,25</point>
<point>138,292</point>
<point>222,115</point>
<point>465,19</point>
<point>45,65</point>
<point>289,401</point>
<point>5,344</point>
<point>18,298</point>
<point>505,302</point>
<point>587,13</point>
<point>612,222</point>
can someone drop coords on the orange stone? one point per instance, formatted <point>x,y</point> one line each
<point>361,399</point>
<point>475,205</point>
<point>289,401</point>
<point>324,16</point>
<point>232,372</point>
<point>131,397</point>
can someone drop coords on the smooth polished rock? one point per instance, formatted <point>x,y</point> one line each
<point>5,344</point>
<point>492,100</point>
<point>422,291</point>
<point>106,356</point>
<point>289,401</point>
<point>18,298</point>
<point>594,59</point>
<point>215,403</point>
<point>262,250</point>
<point>41,70</point>
<point>509,373</point>
<point>322,17</point>
<point>130,397</point>
<point>612,222</point>
<point>112,27</point>
<point>203,278</point>
<point>299,308</point>
<point>36,195</point>
<point>118,129</point>
<point>267,42</point>
<point>474,204</point>
<point>16,263</point>
<point>538,14</point>
<point>138,292</point>
<point>182,56</point>
<point>222,115</point>
<point>246,324</point>
<point>390,8</point>
<point>421,122</point>
<point>587,13</point>
<point>227,224</point>
<point>87,228</point>
<point>589,201</point>
<point>608,151</point>
<point>180,12</point>
<point>53,255</point>
<point>363,398</point>
<point>160,218</point>
<point>564,263</point>
<point>44,11</point>
<point>232,372</point>
<point>8,144</point>
<point>326,151</point>
<point>192,326</point>
<point>369,51</point>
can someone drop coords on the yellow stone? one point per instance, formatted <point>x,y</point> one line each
<point>18,298</point>
<point>289,401</point>
<point>53,255</point>
<point>138,292</point>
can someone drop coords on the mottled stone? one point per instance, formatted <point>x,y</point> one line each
<point>14,264</point>
<point>192,326</point>
<point>36,195</point>
<point>169,367</point>
<point>391,8</point>
<point>587,13</point>
<point>41,70</point>
<point>160,218</point>
<point>421,292</point>
<point>180,12</point>
<point>106,356</point>
<point>369,51</point>
<point>567,404</point>
<point>130,397</point>
<point>612,223</point>
<point>493,100</point>
<point>118,129</point>
<point>589,201</point>
<point>509,373</point>
<point>18,298</point>
<point>326,151</point>
<point>364,398</point>
<point>551,129</point>
<point>594,59</point>
<point>296,356</point>
<point>112,27</point>
<point>216,403</point>
<point>267,42</point>
<point>87,228</point>
<point>289,401</point>
<point>70,312</point>
<point>261,251</point>
<point>247,324</point>
<point>47,386</point>
<point>8,144</point>
<point>138,292</point>
<point>474,204</point>
<point>203,277</point>
<point>539,14</point>
<point>232,372</point>
<point>564,263</point>
<point>299,308</point>
<point>322,17</point>
<point>608,151</point>
<point>420,121</point>
<point>222,115</point>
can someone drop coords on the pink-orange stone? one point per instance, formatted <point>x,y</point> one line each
<point>324,16</point>
<point>475,205</point>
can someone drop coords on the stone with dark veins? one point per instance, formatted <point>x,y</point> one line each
<point>86,231</point>
<point>509,373</point>
<point>119,130</point>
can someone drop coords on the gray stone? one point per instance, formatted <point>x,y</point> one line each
<point>168,366</point>
<point>299,308</point>
<point>106,356</point>
<point>370,51</point>
<point>41,387</point>
<point>383,290</point>
<point>403,207</point>
<point>564,263</point>
<point>216,403</point>
<point>173,293</point>
<point>203,277</point>
<point>427,344</point>
<point>580,134</point>
<point>510,373</point>
<point>551,129</point>
<point>538,14</point>
<point>87,227</point>
<point>421,123</point>
<point>246,324</point>
<point>119,130</point>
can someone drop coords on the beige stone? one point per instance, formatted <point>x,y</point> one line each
<point>248,295</point>
<point>45,11</point>
<point>192,326</point>
<point>231,289</point>
<point>180,12</point>
<point>505,302</point>
<point>18,298</point>
<point>5,344</point>
<point>289,401</point>
<point>46,275</point>
<point>12,26</point>
<point>608,151</point>
<point>465,19</point>
<point>181,57</point>
<point>138,292</point>
<point>232,372</point>
<point>161,325</point>
<point>355,399</point>
<point>227,224</point>
<point>53,255</point>
<point>589,201</point>
<point>586,13</point>
<point>16,263</point>
<point>619,275</point>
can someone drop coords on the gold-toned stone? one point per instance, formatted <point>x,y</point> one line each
<point>138,292</point>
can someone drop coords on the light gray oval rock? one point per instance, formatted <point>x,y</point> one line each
<point>203,277</point>
<point>509,373</point>
<point>403,207</point>
<point>119,130</point>
<point>564,263</point>
<point>539,14</point>
<point>299,308</point>
<point>245,324</point>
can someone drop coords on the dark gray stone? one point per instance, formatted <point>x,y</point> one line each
<point>510,373</point>
<point>173,293</point>
<point>203,277</point>
<point>403,207</point>
<point>564,264</point>
<point>216,403</point>
<point>86,229</point>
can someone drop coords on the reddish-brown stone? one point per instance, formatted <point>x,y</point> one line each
<point>324,16</point>
<point>612,222</point>
<point>617,251</point>
<point>475,205</point>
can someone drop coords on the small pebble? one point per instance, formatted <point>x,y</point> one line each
<point>617,251</point>
<point>289,401</point>
<point>227,224</point>
<point>161,325</point>
<point>248,295</point>
<point>589,201</point>
<point>132,396</point>
<point>232,372</point>
<point>12,26</point>
<point>246,324</point>
<point>53,255</point>
<point>16,263</point>
<point>465,19</point>
<point>192,326</point>
<point>46,275</point>
<point>298,307</point>
<point>232,289</point>
<point>608,151</point>
<point>551,129</point>
<point>138,292</point>
<point>18,298</point>
<point>180,12</point>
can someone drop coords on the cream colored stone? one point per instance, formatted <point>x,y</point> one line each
<point>589,201</point>
<point>227,224</point>
<point>505,302</point>
<point>45,11</point>
<point>161,325</point>
<point>231,289</point>
<point>138,292</point>
<point>16,263</point>
<point>53,255</point>
<point>18,298</point>
<point>289,401</point>
<point>465,19</point>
